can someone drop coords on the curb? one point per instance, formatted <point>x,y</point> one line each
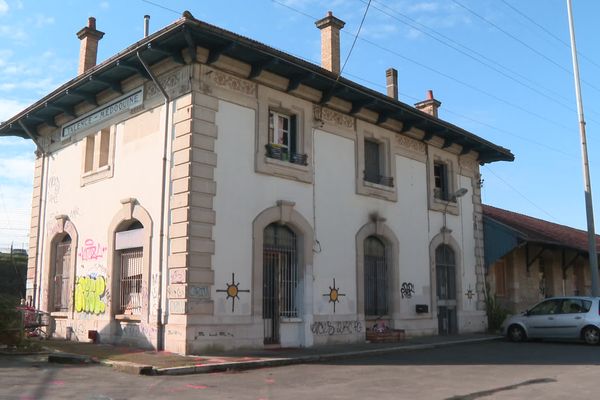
<point>66,358</point>
<point>277,362</point>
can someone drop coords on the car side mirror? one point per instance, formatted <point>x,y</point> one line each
<point>526,313</point>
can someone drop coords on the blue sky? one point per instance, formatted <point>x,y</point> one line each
<point>501,68</point>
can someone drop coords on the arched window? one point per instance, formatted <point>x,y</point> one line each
<point>445,267</point>
<point>129,244</point>
<point>281,297</point>
<point>375,277</point>
<point>61,277</point>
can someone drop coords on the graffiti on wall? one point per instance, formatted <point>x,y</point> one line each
<point>330,328</point>
<point>334,295</point>
<point>407,290</point>
<point>91,250</point>
<point>90,294</point>
<point>232,291</point>
<point>53,189</point>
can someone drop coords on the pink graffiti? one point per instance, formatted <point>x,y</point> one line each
<point>196,386</point>
<point>92,250</point>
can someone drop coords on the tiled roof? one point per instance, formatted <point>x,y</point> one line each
<point>540,231</point>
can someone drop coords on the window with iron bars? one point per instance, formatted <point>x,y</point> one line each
<point>130,284</point>
<point>280,272</point>
<point>375,278</point>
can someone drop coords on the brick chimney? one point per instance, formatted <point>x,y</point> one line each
<point>430,106</point>
<point>88,51</point>
<point>391,83</point>
<point>330,27</point>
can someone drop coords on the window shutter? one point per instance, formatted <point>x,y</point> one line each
<point>293,135</point>
<point>372,172</point>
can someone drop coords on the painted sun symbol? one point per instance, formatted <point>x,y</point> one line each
<point>334,294</point>
<point>232,291</point>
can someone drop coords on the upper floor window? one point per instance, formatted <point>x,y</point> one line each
<point>440,177</point>
<point>375,163</point>
<point>283,138</point>
<point>98,155</point>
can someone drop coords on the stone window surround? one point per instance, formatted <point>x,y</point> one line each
<point>61,228</point>
<point>284,213</point>
<point>384,138</point>
<point>436,155</point>
<point>272,100</point>
<point>130,211</point>
<point>380,230</point>
<point>106,171</point>
<point>447,239</point>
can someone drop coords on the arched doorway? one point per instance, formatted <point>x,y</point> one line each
<point>376,278</point>
<point>61,277</point>
<point>281,297</point>
<point>445,273</point>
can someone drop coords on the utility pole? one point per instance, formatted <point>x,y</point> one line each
<point>593,258</point>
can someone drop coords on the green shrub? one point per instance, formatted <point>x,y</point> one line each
<point>496,314</point>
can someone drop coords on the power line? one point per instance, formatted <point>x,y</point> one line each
<point>520,194</point>
<point>479,57</point>
<point>548,32</point>
<point>531,48</point>
<point>460,115</point>
<point>163,7</point>
<point>355,38</point>
<point>472,87</point>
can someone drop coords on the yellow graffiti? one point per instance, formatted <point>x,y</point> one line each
<point>88,291</point>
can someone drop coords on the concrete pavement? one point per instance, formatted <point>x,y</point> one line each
<point>145,362</point>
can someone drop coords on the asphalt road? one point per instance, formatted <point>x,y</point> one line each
<point>489,370</point>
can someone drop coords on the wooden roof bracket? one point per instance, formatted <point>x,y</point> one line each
<point>565,266</point>
<point>535,258</point>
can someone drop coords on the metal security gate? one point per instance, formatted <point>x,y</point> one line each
<point>62,261</point>
<point>446,290</point>
<point>131,281</point>
<point>376,278</point>
<point>280,279</point>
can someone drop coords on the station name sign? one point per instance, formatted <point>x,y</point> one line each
<point>117,107</point>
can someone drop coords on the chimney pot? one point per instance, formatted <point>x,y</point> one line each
<point>430,105</point>
<point>146,25</point>
<point>330,27</point>
<point>391,83</point>
<point>88,51</point>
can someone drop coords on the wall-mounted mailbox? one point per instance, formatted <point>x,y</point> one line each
<point>422,308</point>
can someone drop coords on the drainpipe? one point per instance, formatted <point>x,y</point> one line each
<point>38,268</point>
<point>161,240</point>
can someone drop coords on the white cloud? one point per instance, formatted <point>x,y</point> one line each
<point>105,5</point>
<point>379,31</point>
<point>3,7</point>
<point>40,20</point>
<point>424,7</point>
<point>15,214</point>
<point>17,168</point>
<point>9,108</point>
<point>12,32</point>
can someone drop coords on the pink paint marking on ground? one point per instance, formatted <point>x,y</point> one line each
<point>196,386</point>
<point>269,380</point>
<point>23,397</point>
<point>198,365</point>
<point>58,383</point>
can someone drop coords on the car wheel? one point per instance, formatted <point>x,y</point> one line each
<point>591,335</point>
<point>515,333</point>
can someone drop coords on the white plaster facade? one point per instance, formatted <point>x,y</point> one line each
<point>203,219</point>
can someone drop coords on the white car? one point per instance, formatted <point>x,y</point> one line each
<point>557,318</point>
